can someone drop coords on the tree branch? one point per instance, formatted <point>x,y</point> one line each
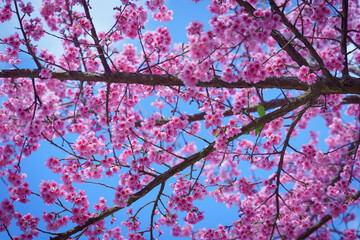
<point>153,210</point>
<point>155,79</point>
<point>280,165</point>
<point>350,99</point>
<point>344,85</point>
<point>301,37</point>
<point>95,38</point>
<point>344,34</point>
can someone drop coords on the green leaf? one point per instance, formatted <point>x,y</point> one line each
<point>261,111</point>
<point>217,132</point>
<point>257,131</point>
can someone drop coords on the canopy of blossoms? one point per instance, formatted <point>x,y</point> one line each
<point>219,116</point>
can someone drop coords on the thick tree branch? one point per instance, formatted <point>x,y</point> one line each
<point>345,85</point>
<point>155,79</point>
<point>350,99</point>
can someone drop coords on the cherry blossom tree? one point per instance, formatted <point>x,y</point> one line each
<point>134,113</point>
